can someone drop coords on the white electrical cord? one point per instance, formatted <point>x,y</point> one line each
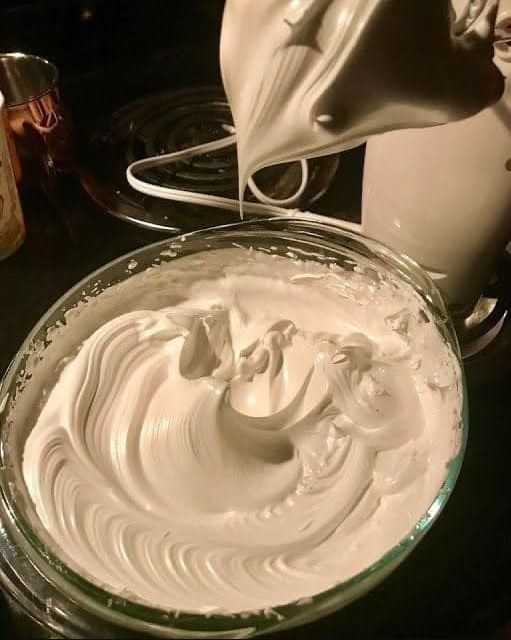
<point>262,197</point>
<point>269,208</point>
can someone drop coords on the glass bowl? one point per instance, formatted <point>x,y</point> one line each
<point>64,603</point>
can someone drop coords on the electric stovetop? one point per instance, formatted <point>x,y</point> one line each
<point>456,583</point>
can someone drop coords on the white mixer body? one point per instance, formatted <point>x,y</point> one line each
<point>443,195</point>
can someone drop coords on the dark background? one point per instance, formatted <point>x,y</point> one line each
<point>456,584</point>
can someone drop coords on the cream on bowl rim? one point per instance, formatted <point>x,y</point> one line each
<point>138,616</point>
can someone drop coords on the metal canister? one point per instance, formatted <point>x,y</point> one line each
<point>12,227</point>
<point>38,120</point>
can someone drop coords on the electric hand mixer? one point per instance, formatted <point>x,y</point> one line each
<point>306,78</point>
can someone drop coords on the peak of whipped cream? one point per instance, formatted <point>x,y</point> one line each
<point>240,430</point>
<point>306,78</point>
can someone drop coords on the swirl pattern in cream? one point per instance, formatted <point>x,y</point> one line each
<point>271,433</point>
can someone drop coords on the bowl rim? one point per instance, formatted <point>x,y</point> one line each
<point>115,608</point>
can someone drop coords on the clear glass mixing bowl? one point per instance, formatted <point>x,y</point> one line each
<point>64,604</point>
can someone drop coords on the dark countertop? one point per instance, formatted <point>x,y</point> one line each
<point>456,583</point>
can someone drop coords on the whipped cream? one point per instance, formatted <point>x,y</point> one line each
<point>251,430</point>
<point>307,78</point>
